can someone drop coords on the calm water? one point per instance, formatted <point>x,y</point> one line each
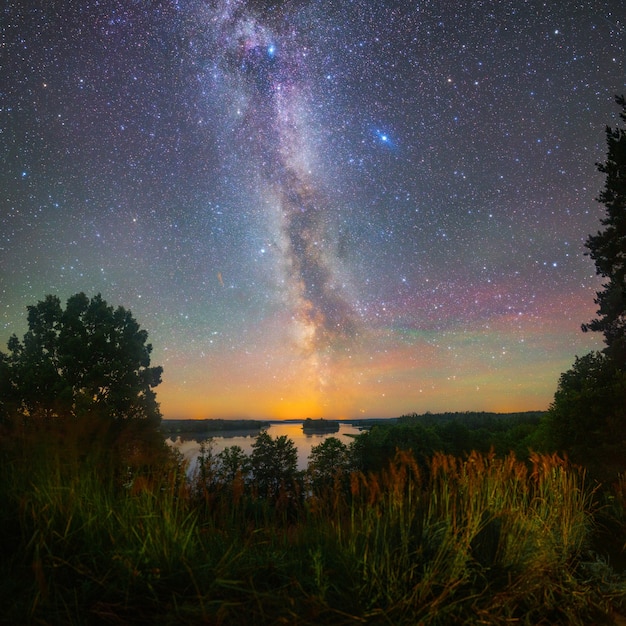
<point>190,447</point>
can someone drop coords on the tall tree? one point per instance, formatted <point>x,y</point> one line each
<point>608,247</point>
<point>88,359</point>
<point>587,418</point>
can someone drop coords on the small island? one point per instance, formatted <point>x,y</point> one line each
<point>318,426</point>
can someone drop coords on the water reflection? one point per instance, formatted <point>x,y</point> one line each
<point>189,444</point>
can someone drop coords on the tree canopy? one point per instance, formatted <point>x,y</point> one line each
<point>588,416</point>
<point>273,464</point>
<point>89,359</point>
<point>608,247</point>
<point>328,461</point>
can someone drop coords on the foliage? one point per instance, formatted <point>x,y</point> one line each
<point>479,540</point>
<point>205,475</point>
<point>273,465</point>
<point>373,449</point>
<point>328,461</point>
<point>211,425</point>
<point>608,247</point>
<point>86,360</point>
<point>217,472</point>
<point>320,426</point>
<point>451,433</point>
<point>587,418</point>
<point>233,464</point>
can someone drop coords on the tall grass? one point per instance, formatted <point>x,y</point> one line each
<point>476,540</point>
<point>483,536</point>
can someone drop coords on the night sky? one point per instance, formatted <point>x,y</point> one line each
<point>316,208</point>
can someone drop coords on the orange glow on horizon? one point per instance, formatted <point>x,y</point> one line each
<point>510,367</point>
<point>491,394</point>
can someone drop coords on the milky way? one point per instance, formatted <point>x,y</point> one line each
<point>267,68</point>
<point>260,73</point>
<point>315,208</point>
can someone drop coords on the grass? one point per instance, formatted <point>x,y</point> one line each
<point>480,540</point>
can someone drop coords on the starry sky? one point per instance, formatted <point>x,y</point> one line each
<point>334,208</point>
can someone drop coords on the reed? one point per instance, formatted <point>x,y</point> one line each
<point>479,536</point>
<point>484,539</point>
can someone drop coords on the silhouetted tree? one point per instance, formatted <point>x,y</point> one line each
<point>327,461</point>
<point>587,418</point>
<point>273,464</point>
<point>372,450</point>
<point>608,247</point>
<point>232,462</point>
<point>7,400</point>
<point>86,360</point>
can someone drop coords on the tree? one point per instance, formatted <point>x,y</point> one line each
<point>608,247</point>
<point>86,360</point>
<point>328,460</point>
<point>273,464</point>
<point>233,463</point>
<point>372,450</point>
<point>587,418</point>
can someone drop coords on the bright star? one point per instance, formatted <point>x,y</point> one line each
<point>384,138</point>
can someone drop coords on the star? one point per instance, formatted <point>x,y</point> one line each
<point>352,206</point>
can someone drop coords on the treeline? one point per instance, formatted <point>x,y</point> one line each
<point>450,433</point>
<point>471,419</point>
<point>210,425</point>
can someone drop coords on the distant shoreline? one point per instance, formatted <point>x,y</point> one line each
<point>175,426</point>
<point>249,427</point>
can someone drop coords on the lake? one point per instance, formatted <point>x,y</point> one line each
<point>189,444</point>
